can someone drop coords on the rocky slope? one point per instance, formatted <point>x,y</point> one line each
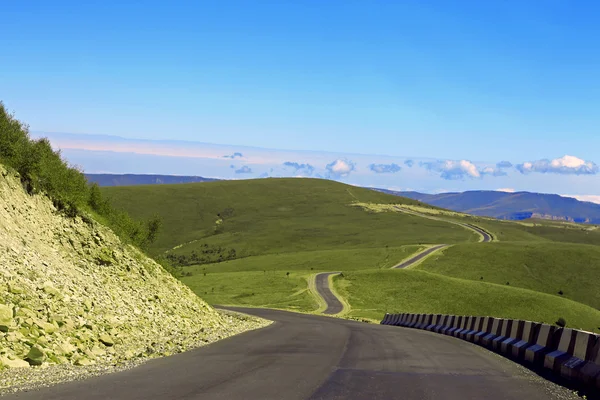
<point>72,293</point>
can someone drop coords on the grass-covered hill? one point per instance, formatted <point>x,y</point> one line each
<point>258,242</point>
<point>236,219</point>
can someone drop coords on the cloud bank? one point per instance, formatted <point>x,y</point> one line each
<point>385,168</point>
<point>452,170</point>
<point>568,165</point>
<point>300,168</point>
<point>234,155</point>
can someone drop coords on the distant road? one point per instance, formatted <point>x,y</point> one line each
<point>486,236</point>
<point>314,357</point>
<point>334,305</point>
<point>420,256</point>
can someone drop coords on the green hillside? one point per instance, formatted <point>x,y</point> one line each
<point>549,267</point>
<point>271,216</point>
<point>372,293</point>
<point>258,242</point>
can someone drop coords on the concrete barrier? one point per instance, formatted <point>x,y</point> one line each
<point>436,320</point>
<point>568,353</point>
<point>467,322</point>
<point>554,359</point>
<point>449,325</point>
<point>543,345</point>
<point>400,318</point>
<point>493,333</point>
<point>412,321</point>
<point>425,322</point>
<point>516,332</point>
<point>419,321</point>
<point>457,323</point>
<point>477,327</point>
<point>528,336</point>
<point>486,328</point>
<point>589,372</point>
<point>584,353</point>
<point>386,319</point>
<point>443,322</point>
<point>504,334</point>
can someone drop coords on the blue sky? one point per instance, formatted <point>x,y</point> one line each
<point>468,80</point>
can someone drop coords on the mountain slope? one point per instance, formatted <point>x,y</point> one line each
<point>233,219</point>
<point>72,293</point>
<point>512,206</point>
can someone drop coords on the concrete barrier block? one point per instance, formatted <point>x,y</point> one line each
<point>449,325</point>
<point>385,319</point>
<point>477,327</point>
<point>504,334</point>
<point>413,321</point>
<point>422,321</point>
<point>457,323</point>
<point>584,363</point>
<point>441,324</point>
<point>426,321</point>
<point>436,320</point>
<point>516,334</point>
<point>466,326</point>
<point>561,352</point>
<point>493,333</point>
<point>404,320</point>
<point>485,330</point>
<point>530,330</point>
<point>535,353</point>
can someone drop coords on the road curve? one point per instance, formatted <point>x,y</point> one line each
<point>312,357</point>
<point>419,256</point>
<point>486,236</point>
<point>334,305</point>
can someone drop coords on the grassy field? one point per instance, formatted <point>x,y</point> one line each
<point>257,242</point>
<point>373,293</point>
<point>547,267</point>
<point>273,289</point>
<point>270,216</point>
<point>314,261</point>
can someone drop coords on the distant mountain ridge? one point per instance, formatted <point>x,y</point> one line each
<point>142,179</point>
<point>511,206</point>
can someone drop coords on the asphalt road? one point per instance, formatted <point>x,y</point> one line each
<point>313,357</point>
<point>334,306</point>
<point>420,256</point>
<point>486,236</point>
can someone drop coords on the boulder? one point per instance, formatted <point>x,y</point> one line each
<point>106,340</point>
<point>35,356</point>
<point>6,317</point>
<point>7,362</point>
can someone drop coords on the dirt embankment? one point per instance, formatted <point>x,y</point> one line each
<point>72,294</point>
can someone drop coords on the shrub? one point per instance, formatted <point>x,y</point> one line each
<point>42,170</point>
<point>561,322</point>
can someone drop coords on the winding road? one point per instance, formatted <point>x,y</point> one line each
<point>334,305</point>
<point>314,357</point>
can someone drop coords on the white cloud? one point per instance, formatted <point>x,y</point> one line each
<point>565,165</point>
<point>506,190</point>
<point>451,170</point>
<point>385,168</point>
<point>592,198</point>
<point>340,168</point>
